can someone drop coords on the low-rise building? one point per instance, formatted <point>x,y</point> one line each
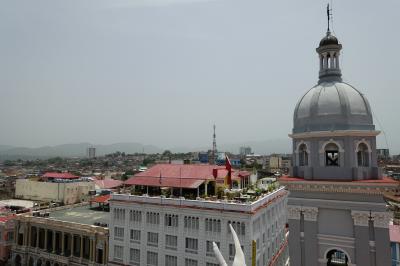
<point>75,235</point>
<point>60,190</point>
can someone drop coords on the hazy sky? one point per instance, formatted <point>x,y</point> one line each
<point>163,71</point>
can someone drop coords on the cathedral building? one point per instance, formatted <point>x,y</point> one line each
<point>336,211</point>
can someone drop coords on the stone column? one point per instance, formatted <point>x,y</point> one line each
<point>381,228</point>
<point>310,235</point>
<point>331,54</point>
<point>361,235</point>
<point>294,236</point>
<point>37,236</point>
<point>321,62</point>
<point>81,251</point>
<point>53,248</point>
<point>337,60</point>
<point>72,244</point>
<point>105,251</point>
<point>62,243</point>
<point>325,60</point>
<point>90,249</point>
<point>94,249</point>
<point>45,238</point>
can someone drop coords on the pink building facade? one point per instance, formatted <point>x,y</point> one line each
<point>6,237</point>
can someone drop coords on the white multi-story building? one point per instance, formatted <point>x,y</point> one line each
<point>156,230</point>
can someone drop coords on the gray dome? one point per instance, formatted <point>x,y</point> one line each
<point>332,105</point>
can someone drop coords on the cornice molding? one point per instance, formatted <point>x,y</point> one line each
<point>339,187</point>
<point>336,133</point>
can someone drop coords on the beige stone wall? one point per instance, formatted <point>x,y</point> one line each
<point>68,193</point>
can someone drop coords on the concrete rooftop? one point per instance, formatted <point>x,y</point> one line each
<point>82,215</point>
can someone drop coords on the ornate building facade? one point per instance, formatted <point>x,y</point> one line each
<point>64,237</point>
<point>336,211</point>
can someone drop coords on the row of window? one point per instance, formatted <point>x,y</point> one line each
<point>152,258</point>
<point>119,214</point>
<point>171,242</point>
<point>172,220</point>
<point>332,155</point>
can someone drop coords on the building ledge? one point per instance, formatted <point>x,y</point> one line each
<point>222,205</point>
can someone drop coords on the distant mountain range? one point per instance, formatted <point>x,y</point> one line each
<point>8,152</point>
<point>71,150</point>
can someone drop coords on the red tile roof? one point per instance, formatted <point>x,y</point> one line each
<point>108,183</point>
<point>181,175</point>
<point>60,175</point>
<point>165,182</point>
<point>394,232</point>
<point>101,199</point>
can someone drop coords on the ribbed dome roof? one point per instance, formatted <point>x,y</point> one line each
<point>332,105</point>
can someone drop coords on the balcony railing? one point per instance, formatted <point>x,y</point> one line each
<point>205,204</point>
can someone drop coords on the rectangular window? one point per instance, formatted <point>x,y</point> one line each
<point>171,242</point>
<point>171,220</point>
<point>152,239</point>
<point>240,227</point>
<point>134,257</point>
<point>152,258</point>
<point>135,236</point>
<point>191,222</point>
<point>118,253</point>
<point>209,248</point>
<point>211,264</point>
<point>119,233</point>
<point>171,260</point>
<point>190,262</point>
<point>213,225</point>
<point>152,218</point>
<point>232,251</point>
<point>191,245</point>
<point>135,216</point>
<point>119,214</point>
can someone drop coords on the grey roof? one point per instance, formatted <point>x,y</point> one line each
<point>329,39</point>
<point>82,215</point>
<point>332,105</point>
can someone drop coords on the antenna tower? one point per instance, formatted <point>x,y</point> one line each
<point>214,148</point>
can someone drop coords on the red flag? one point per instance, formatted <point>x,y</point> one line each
<point>228,167</point>
<point>228,164</point>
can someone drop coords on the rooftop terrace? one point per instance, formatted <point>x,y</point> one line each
<point>206,203</point>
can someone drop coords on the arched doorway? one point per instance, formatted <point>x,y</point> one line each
<point>18,260</point>
<point>39,262</point>
<point>337,258</point>
<point>48,263</point>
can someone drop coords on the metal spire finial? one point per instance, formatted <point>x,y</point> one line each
<point>329,14</point>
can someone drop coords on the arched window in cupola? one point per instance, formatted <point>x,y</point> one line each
<point>362,155</point>
<point>303,155</point>
<point>332,155</point>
